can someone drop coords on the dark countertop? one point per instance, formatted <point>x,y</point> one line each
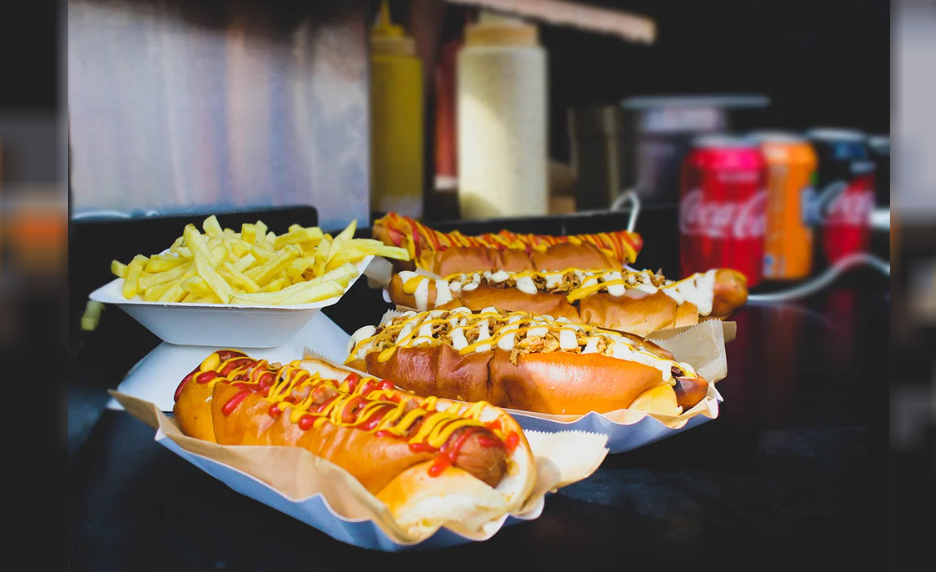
<point>791,474</point>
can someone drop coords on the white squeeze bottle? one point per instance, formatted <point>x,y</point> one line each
<point>502,120</point>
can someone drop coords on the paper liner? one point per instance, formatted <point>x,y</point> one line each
<point>701,345</point>
<point>380,273</point>
<point>391,314</point>
<point>325,496</point>
<point>308,353</point>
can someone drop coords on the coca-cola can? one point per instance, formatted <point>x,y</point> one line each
<point>879,145</point>
<point>840,211</point>
<point>722,209</point>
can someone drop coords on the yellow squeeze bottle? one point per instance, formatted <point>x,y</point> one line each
<point>396,120</point>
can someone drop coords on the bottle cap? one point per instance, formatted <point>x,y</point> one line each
<point>498,30</point>
<point>388,38</point>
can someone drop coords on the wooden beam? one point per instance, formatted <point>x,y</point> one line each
<point>630,27</point>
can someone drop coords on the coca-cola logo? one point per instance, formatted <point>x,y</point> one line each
<point>852,208</point>
<point>839,203</point>
<point>739,220</point>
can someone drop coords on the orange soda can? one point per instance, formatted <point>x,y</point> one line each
<point>791,171</point>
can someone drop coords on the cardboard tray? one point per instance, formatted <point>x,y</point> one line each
<point>220,325</point>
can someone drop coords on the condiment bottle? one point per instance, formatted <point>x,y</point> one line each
<point>396,120</point>
<point>502,120</point>
<point>446,146</point>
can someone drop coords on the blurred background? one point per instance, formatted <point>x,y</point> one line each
<point>33,168</point>
<point>136,108</point>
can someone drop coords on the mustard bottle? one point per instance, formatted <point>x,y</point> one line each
<point>396,120</point>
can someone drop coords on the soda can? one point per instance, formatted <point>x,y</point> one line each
<point>840,211</point>
<point>879,146</point>
<point>791,173</point>
<point>722,209</point>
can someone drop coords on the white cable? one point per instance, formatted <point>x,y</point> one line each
<point>628,196</point>
<point>99,214</point>
<point>824,279</point>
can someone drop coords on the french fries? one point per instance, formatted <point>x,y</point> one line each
<point>91,316</point>
<point>254,266</point>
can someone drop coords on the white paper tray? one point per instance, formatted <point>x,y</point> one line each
<point>323,495</point>
<point>317,513</point>
<point>219,325</point>
<point>155,377</point>
<point>621,436</point>
<point>639,429</point>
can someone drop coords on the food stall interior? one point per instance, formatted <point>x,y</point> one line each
<point>254,110</point>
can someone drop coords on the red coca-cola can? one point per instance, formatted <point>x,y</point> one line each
<point>723,205</point>
<point>840,211</point>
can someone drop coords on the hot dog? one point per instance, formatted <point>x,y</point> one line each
<point>450,253</point>
<point>523,361</point>
<point>429,460</point>
<point>636,302</point>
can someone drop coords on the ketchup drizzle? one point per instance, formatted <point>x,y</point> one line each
<point>449,452</point>
<point>232,403</point>
<point>252,379</point>
<point>185,381</point>
<point>512,441</point>
<point>352,380</point>
<point>206,376</point>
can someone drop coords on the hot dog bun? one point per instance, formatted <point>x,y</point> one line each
<point>431,460</point>
<point>561,256</point>
<point>516,360</point>
<point>568,384</point>
<point>635,311</point>
<point>730,292</point>
<point>463,259</point>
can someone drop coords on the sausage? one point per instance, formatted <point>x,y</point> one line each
<point>481,456</point>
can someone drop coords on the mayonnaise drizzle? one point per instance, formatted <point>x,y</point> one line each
<point>526,285</point>
<point>361,334</point>
<point>614,289</point>
<point>443,293</point>
<point>421,295</point>
<point>614,282</point>
<point>698,289</point>
<point>508,335</point>
<point>553,279</point>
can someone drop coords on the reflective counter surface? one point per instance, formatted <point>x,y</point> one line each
<point>792,473</point>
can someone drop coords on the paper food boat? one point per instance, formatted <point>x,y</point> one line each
<point>702,346</point>
<point>319,493</point>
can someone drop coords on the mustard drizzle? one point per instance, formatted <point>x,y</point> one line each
<point>410,285</point>
<point>507,329</point>
<point>435,430</point>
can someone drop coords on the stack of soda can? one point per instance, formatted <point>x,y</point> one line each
<point>776,206</point>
